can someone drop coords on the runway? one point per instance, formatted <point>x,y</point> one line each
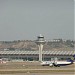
<point>40,74</point>
<point>34,68</point>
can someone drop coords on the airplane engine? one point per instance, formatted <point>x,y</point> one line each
<point>50,64</point>
<point>55,64</point>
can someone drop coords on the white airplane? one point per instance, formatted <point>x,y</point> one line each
<point>58,63</point>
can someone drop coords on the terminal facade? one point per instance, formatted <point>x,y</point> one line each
<point>34,55</point>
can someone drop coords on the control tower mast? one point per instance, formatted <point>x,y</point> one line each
<point>40,42</point>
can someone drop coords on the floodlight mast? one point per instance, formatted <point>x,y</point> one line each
<point>40,42</point>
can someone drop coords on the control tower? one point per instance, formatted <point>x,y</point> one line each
<point>40,42</point>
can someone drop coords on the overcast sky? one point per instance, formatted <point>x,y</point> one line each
<point>26,19</point>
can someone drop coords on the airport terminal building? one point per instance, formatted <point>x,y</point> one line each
<point>34,55</point>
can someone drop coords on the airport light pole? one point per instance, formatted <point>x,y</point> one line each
<point>40,42</point>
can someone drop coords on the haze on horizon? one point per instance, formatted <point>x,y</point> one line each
<point>26,19</point>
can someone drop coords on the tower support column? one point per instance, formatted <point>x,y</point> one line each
<point>40,52</point>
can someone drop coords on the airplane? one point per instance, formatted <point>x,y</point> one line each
<point>58,63</point>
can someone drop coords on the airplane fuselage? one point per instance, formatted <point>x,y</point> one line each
<point>58,63</point>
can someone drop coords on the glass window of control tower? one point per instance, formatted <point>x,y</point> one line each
<point>41,39</point>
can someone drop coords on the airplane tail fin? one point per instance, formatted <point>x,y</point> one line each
<point>72,59</point>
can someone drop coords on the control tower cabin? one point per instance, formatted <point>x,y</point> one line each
<point>40,42</point>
